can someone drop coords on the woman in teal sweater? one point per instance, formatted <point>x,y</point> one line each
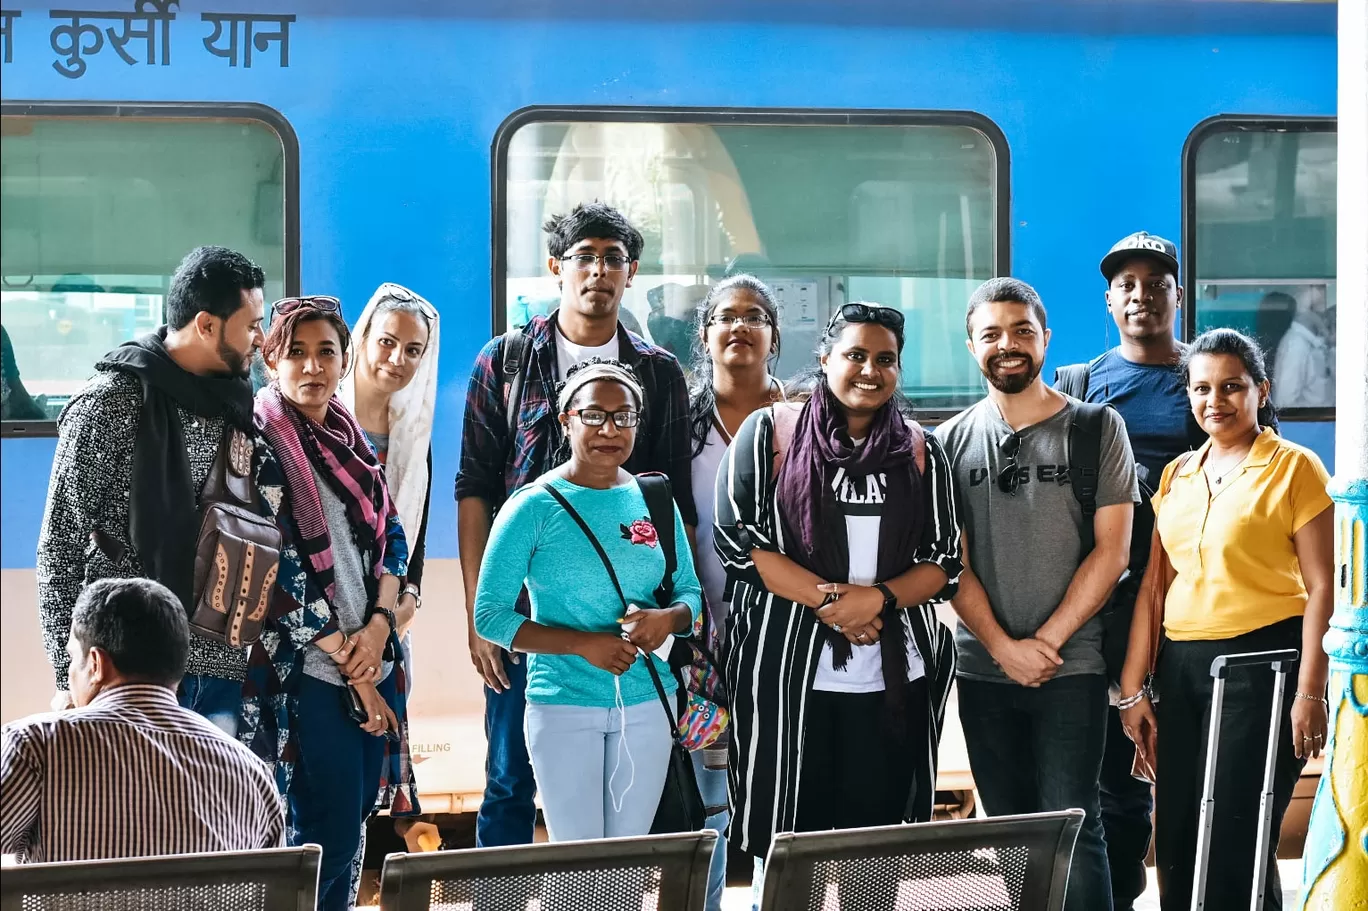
<point>596,732</point>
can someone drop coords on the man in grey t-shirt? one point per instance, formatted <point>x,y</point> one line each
<point>1032,688</point>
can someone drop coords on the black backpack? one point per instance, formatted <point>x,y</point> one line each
<point>515,345</point>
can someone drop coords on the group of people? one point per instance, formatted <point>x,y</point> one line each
<point>814,528</point>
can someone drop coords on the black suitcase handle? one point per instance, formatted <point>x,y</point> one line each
<point>1282,659</point>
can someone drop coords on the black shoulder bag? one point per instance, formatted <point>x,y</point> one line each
<point>681,805</point>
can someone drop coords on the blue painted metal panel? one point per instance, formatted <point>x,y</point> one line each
<point>395,107</point>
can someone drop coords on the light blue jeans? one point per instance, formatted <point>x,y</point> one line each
<point>712,786</point>
<point>600,772</point>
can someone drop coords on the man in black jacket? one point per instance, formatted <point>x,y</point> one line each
<point>135,446</point>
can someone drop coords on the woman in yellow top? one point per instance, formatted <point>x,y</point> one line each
<point>1247,525</point>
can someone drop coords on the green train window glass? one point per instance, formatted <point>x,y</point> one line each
<point>904,214</point>
<point>1264,207</point>
<point>95,214</point>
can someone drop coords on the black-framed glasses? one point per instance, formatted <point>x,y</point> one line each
<point>1009,479</point>
<point>288,305</point>
<point>583,262</point>
<point>869,313</point>
<point>753,321</point>
<point>597,417</point>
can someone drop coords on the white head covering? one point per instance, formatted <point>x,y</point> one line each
<point>410,412</point>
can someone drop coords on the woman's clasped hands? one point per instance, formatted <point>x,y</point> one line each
<point>852,610</point>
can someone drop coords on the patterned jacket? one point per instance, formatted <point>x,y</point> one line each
<point>299,614</point>
<point>92,477</point>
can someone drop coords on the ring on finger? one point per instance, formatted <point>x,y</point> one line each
<point>837,627</point>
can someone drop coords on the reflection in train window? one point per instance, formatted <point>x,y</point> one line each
<point>903,213</point>
<point>96,213</point>
<point>1263,198</point>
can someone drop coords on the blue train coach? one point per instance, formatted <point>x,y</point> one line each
<point>845,149</point>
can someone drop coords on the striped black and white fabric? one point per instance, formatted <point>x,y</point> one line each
<point>132,774</point>
<point>773,644</point>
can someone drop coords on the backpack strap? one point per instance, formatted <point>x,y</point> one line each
<point>655,488</point>
<point>1085,461</point>
<point>1072,380</point>
<point>515,345</point>
<point>785,417</point>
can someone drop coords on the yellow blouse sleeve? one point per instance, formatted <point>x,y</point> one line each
<point>1307,489</point>
<point>1164,481</point>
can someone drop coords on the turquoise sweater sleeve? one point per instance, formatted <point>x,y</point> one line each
<point>534,542</point>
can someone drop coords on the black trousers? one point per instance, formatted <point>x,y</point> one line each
<point>1126,806</point>
<point>1184,714</point>
<point>855,773</point>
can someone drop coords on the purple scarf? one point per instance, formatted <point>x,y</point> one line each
<point>339,451</point>
<point>814,525</point>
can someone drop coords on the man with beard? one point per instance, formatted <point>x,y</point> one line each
<point>593,252</point>
<point>134,449</point>
<point>1032,692</point>
<point>1141,380</point>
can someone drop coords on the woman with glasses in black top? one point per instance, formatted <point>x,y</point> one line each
<point>836,523</point>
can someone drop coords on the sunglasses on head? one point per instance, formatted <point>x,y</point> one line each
<point>392,291</point>
<point>868,313</point>
<point>288,305</point>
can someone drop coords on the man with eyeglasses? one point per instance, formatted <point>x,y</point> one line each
<point>593,252</point>
<point>1032,689</point>
<point>1141,380</point>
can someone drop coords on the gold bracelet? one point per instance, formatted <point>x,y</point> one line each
<point>1310,698</point>
<point>336,650</point>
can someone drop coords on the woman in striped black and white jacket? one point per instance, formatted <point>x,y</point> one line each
<point>836,524</point>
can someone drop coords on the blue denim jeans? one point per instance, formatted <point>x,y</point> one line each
<point>712,786</point>
<point>215,698</point>
<point>335,784</point>
<point>508,812</point>
<point>1038,749</point>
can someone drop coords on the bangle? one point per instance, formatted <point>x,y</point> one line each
<point>1132,701</point>
<point>1310,698</point>
<point>336,650</point>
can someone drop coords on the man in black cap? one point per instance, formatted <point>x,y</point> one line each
<point>1140,379</point>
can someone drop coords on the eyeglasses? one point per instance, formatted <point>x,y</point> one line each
<point>750,321</point>
<point>597,417</point>
<point>288,305</point>
<point>868,313</point>
<point>583,262</point>
<point>1009,479</point>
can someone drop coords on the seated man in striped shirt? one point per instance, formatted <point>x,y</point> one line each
<point>128,772</point>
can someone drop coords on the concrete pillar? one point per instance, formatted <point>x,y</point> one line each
<point>1336,855</point>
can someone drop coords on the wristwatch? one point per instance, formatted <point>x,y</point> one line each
<point>412,589</point>
<point>890,599</point>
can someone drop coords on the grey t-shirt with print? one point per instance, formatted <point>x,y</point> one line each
<point>1025,547</point>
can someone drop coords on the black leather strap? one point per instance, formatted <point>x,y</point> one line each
<point>617,586</point>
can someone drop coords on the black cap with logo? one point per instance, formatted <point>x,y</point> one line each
<point>1141,243</point>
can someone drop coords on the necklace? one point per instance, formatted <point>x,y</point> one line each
<point>1224,473</point>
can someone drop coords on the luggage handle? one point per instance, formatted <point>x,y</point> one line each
<point>1281,660</point>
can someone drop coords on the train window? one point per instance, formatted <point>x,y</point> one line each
<point>98,208</point>
<point>908,209</point>
<point>1260,238</point>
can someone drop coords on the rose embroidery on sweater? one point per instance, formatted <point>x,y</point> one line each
<point>640,532</point>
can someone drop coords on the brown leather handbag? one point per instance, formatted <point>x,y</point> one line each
<point>238,554</point>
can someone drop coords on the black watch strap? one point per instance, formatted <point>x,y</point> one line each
<point>890,599</point>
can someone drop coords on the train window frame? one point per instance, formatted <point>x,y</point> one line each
<point>273,119</point>
<point>1225,123</point>
<point>738,116</point>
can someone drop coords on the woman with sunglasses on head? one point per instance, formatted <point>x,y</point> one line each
<point>738,340</point>
<point>1247,532</point>
<point>392,390</point>
<point>834,558</point>
<point>322,695</point>
<point>597,733</point>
